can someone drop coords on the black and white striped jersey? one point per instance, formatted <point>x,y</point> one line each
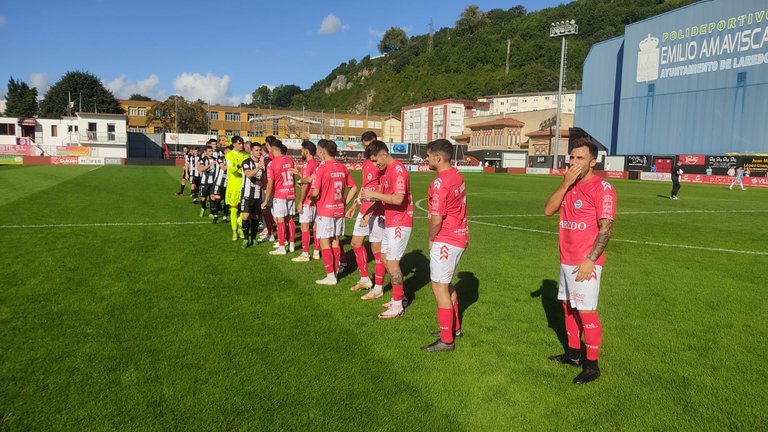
<point>193,160</point>
<point>221,173</point>
<point>252,186</point>
<point>209,170</point>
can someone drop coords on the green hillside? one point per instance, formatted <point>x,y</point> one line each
<point>470,64</point>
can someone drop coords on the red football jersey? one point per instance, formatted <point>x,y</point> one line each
<point>307,170</point>
<point>448,198</point>
<point>278,172</point>
<point>330,179</point>
<point>586,202</point>
<point>395,180</point>
<point>371,176</point>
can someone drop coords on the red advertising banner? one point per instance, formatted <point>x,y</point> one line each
<point>723,180</point>
<point>64,160</point>
<point>692,160</point>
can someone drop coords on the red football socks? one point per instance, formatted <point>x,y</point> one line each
<point>456,322</point>
<point>378,272</point>
<point>327,255</point>
<point>397,292</point>
<point>305,241</point>
<point>445,319</point>
<point>572,327</point>
<point>361,255</point>
<point>336,257</point>
<point>292,230</point>
<point>593,334</point>
<point>281,234</point>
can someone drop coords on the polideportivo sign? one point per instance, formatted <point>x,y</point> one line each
<point>728,42</point>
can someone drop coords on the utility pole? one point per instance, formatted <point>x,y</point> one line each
<point>561,29</point>
<point>509,45</point>
<point>431,36</point>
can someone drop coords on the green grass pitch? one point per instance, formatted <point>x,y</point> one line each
<point>111,320</point>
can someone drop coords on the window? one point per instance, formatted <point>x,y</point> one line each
<point>159,130</point>
<point>251,116</point>
<point>71,128</point>
<point>741,79</point>
<point>214,115</point>
<point>275,127</point>
<point>91,131</point>
<point>7,129</point>
<point>339,138</point>
<point>133,111</point>
<point>651,89</point>
<point>110,131</point>
<point>232,133</point>
<point>138,129</point>
<point>232,116</point>
<point>213,132</point>
<point>374,124</point>
<point>337,122</point>
<point>54,130</point>
<point>355,138</point>
<point>355,123</point>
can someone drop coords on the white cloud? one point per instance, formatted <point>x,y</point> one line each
<point>209,87</point>
<point>376,33</point>
<point>40,81</point>
<point>248,98</point>
<point>332,25</point>
<point>2,21</point>
<point>123,88</point>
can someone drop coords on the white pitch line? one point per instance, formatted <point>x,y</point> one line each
<point>709,249</point>
<point>110,224</point>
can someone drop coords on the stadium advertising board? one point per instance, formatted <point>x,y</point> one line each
<point>638,160</point>
<point>537,170</point>
<point>656,176</point>
<point>113,161</point>
<point>72,151</point>
<point>692,160</point>
<point>90,160</point>
<point>18,150</point>
<point>355,146</point>
<point>65,160</point>
<point>755,164</point>
<point>722,180</point>
<point>722,161</point>
<point>187,139</point>
<point>398,148</point>
<point>6,159</point>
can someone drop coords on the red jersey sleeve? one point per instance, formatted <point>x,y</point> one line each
<point>607,202</point>
<point>438,199</point>
<point>271,171</point>
<point>401,182</point>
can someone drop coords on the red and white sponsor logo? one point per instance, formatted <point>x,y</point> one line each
<point>575,226</point>
<point>444,252</point>
<point>692,159</point>
<point>607,204</point>
<point>64,160</point>
<point>437,183</point>
<point>398,233</point>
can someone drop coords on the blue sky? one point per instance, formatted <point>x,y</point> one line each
<point>217,51</point>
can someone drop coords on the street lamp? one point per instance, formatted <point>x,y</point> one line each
<point>561,29</point>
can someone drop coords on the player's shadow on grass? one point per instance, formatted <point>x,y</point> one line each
<point>467,292</point>
<point>663,196</point>
<point>553,309</point>
<point>415,265</point>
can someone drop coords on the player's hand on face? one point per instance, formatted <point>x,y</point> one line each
<point>584,270</point>
<point>572,174</point>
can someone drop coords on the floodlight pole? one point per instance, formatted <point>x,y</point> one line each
<point>561,29</point>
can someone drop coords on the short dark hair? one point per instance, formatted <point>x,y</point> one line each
<point>237,138</point>
<point>310,146</point>
<point>270,139</point>
<point>280,146</point>
<point>369,136</point>
<point>211,141</point>
<point>329,147</point>
<point>209,147</point>
<point>442,146</point>
<point>376,147</point>
<point>586,142</point>
<point>255,144</point>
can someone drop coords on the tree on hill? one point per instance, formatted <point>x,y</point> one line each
<point>393,39</point>
<point>471,20</point>
<point>262,97</point>
<point>191,116</point>
<point>282,95</point>
<point>21,100</point>
<point>76,86</point>
<point>138,97</point>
